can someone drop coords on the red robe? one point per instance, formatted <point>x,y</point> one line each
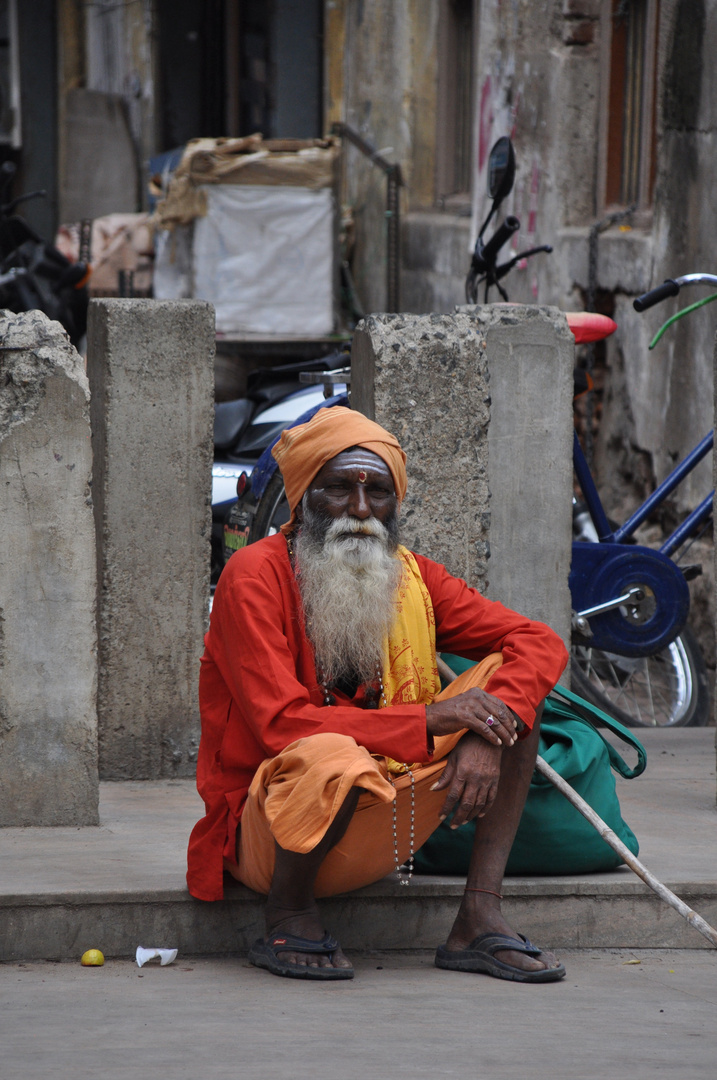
<point>258,690</point>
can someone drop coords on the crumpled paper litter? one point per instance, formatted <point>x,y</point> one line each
<point>166,956</point>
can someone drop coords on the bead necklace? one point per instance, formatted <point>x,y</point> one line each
<point>375,698</point>
<point>409,861</point>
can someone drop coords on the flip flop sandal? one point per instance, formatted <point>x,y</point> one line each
<point>480,957</point>
<point>264,954</point>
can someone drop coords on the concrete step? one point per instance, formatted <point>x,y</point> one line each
<point>122,884</point>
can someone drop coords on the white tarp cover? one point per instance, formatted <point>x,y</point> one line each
<point>264,256</point>
<point>173,263</point>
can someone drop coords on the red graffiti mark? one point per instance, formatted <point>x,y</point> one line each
<point>514,115</point>
<point>486,123</point>
<point>534,188</point>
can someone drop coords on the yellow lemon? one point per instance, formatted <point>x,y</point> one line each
<point>92,958</point>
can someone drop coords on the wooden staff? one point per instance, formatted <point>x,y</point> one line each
<point>612,839</point>
<point>624,852</point>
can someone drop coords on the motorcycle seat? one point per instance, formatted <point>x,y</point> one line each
<point>230,419</point>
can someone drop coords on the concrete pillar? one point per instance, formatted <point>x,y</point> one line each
<point>48,712</point>
<point>150,365</point>
<point>482,403</point>
<point>531,356</point>
<point>425,378</point>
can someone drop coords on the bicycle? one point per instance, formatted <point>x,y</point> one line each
<point>669,685</point>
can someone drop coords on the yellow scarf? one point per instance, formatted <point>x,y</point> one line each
<point>410,674</point>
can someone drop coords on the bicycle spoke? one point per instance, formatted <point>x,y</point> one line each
<point>654,691</point>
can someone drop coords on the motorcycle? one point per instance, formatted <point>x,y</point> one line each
<point>244,429</point>
<point>34,275</point>
<point>484,268</point>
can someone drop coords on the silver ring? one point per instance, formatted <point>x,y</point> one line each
<point>490,720</point>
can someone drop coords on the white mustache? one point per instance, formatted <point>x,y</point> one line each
<point>355,527</point>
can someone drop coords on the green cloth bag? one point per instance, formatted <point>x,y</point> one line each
<point>553,837</point>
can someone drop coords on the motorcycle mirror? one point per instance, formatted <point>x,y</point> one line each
<point>501,169</point>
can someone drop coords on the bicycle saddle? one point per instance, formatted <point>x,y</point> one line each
<point>589,326</point>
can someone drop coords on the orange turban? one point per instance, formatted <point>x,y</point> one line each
<point>303,450</point>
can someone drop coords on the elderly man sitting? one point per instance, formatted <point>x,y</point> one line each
<point>328,752</point>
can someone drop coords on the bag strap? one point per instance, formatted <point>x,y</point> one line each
<point>591,715</point>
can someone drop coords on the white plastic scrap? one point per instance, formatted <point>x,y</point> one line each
<point>166,956</point>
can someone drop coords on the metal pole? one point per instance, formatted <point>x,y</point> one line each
<point>393,262</point>
<point>393,220</point>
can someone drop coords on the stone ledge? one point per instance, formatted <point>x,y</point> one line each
<point>65,890</point>
<point>385,916</point>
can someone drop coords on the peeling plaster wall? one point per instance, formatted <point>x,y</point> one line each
<point>538,80</point>
<point>120,61</point>
<point>538,77</point>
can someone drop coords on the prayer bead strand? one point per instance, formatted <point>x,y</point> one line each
<point>409,861</point>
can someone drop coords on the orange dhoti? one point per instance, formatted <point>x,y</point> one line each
<point>295,796</point>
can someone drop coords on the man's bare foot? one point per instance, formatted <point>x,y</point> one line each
<point>304,924</point>
<point>479,914</point>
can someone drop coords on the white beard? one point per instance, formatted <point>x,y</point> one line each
<point>348,575</point>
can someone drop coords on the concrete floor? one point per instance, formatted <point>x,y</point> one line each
<point>219,1018</point>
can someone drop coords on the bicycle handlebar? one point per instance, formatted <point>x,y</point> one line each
<point>654,296</point>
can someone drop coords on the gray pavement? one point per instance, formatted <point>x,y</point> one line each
<point>218,1018</point>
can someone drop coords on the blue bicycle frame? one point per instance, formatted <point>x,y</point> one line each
<point>618,536</point>
<point>629,599</point>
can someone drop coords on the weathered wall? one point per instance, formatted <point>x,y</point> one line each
<point>108,50</point>
<point>540,76</point>
<point>481,402</point>
<point>670,389</point>
<point>537,78</point>
<point>48,717</point>
<point>388,88</point>
<point>547,96</point>
<point>150,365</point>
<point>434,261</point>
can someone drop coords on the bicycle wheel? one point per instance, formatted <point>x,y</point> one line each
<point>669,689</point>
<point>272,511</point>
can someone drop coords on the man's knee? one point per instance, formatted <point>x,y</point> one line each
<point>325,746</point>
<point>324,742</point>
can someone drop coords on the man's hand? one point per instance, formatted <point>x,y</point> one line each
<point>471,775</point>
<point>476,710</point>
